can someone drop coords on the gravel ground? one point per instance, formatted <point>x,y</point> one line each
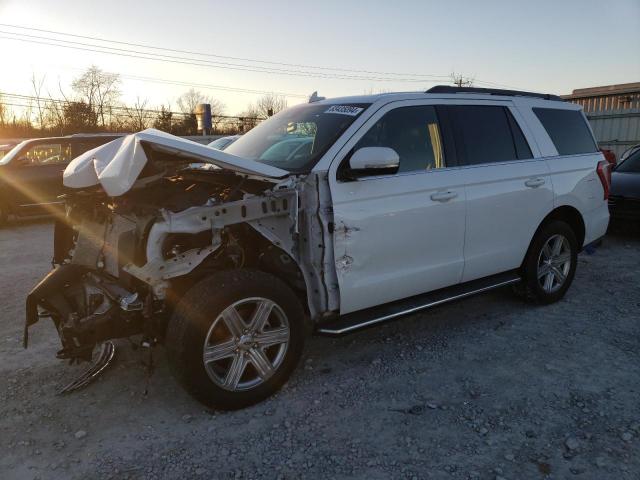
<point>486,388</point>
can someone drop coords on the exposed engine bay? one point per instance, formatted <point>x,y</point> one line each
<point>121,263</point>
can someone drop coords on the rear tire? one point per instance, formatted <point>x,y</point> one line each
<point>235,338</point>
<point>550,264</point>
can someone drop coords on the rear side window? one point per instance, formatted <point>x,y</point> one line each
<point>487,134</point>
<point>568,130</point>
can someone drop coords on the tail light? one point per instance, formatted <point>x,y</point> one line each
<point>604,173</point>
<point>609,156</point>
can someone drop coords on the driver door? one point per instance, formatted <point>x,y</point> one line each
<point>400,234</point>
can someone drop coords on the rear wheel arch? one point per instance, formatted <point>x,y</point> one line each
<point>569,215</point>
<point>551,259</point>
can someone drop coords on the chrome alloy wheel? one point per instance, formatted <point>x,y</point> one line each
<point>554,263</point>
<point>246,344</point>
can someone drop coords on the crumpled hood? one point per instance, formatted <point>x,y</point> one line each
<point>117,164</point>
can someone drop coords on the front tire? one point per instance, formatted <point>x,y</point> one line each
<point>551,262</point>
<point>235,338</point>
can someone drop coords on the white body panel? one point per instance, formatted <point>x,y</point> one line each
<point>575,181</point>
<point>391,241</point>
<point>503,213</point>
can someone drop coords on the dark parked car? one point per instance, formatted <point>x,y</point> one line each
<point>624,199</point>
<point>223,142</point>
<point>31,172</point>
<point>6,148</point>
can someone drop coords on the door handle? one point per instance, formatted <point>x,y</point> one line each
<point>443,196</point>
<point>534,182</point>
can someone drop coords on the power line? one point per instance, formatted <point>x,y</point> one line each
<point>191,52</point>
<point>418,77</point>
<point>108,109</point>
<point>212,87</point>
<point>225,88</point>
<point>190,61</point>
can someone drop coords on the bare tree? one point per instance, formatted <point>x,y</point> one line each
<point>138,115</point>
<point>54,115</point>
<point>270,105</point>
<point>461,81</point>
<point>248,119</point>
<point>40,103</point>
<point>189,100</point>
<point>4,111</point>
<point>98,89</point>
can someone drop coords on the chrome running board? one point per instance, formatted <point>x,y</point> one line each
<point>383,313</point>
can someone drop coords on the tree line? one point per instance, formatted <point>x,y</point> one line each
<point>94,105</point>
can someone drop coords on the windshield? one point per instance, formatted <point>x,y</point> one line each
<point>296,138</point>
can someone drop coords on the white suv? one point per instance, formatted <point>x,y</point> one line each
<point>328,217</point>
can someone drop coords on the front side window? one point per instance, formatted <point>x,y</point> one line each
<point>568,130</point>
<point>487,134</point>
<point>414,134</point>
<point>46,154</point>
<point>296,138</point>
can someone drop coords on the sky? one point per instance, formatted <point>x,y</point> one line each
<point>547,46</point>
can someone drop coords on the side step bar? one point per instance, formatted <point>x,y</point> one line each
<point>376,315</point>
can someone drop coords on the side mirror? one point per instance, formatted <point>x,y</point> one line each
<point>369,161</point>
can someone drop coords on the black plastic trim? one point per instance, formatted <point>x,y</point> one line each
<point>493,91</point>
<point>370,317</point>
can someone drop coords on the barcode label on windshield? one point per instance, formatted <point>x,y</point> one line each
<point>344,110</point>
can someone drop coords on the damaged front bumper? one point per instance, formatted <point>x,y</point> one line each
<point>117,278</point>
<point>87,308</point>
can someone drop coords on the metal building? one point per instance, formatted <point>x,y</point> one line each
<point>614,114</point>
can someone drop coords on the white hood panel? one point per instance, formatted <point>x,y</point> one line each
<point>117,164</point>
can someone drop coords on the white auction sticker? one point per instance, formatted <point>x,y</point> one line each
<point>345,110</point>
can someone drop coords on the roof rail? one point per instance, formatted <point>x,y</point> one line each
<point>492,91</point>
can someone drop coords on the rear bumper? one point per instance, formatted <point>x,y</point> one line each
<point>596,223</point>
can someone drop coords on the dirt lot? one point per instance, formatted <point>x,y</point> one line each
<point>487,388</point>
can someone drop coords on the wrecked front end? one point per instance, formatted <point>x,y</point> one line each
<point>122,263</point>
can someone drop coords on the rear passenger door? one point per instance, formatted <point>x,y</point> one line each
<point>508,191</point>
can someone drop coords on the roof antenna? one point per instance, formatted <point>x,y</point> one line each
<point>315,98</point>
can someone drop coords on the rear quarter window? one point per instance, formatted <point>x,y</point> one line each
<point>568,130</point>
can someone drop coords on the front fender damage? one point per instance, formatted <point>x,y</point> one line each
<point>101,292</point>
